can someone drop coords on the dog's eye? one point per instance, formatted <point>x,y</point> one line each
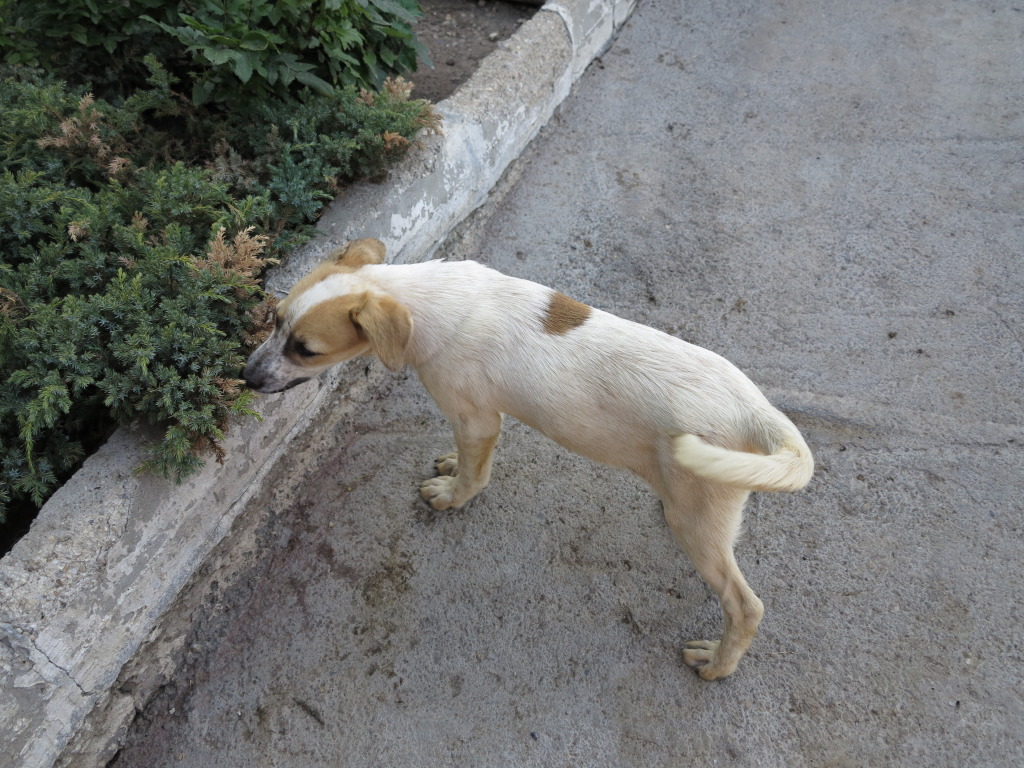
<point>302,350</point>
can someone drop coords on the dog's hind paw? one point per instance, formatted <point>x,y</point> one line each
<point>447,464</point>
<point>701,655</point>
<point>440,491</point>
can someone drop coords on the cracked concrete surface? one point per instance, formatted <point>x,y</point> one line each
<point>830,195</point>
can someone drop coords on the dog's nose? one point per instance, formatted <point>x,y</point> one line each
<point>252,379</point>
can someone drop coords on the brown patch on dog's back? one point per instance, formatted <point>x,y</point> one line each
<point>564,314</point>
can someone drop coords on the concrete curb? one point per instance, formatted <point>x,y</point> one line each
<point>86,596</point>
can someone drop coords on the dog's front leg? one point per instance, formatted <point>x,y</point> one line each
<point>467,472</point>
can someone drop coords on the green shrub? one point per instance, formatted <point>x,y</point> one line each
<point>129,279</point>
<point>120,303</point>
<point>302,148</point>
<point>231,52</point>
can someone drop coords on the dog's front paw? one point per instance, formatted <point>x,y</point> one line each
<point>440,492</point>
<point>702,655</point>
<point>447,464</point>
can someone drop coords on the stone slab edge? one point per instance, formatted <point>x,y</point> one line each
<point>86,595</point>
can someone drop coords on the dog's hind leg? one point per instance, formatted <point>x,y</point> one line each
<point>467,472</point>
<point>705,519</point>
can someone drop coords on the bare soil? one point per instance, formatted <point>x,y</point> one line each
<point>459,34</point>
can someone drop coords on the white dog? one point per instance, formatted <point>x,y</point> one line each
<point>485,344</point>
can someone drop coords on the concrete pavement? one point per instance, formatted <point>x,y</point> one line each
<point>828,194</point>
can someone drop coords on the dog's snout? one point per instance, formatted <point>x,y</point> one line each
<point>258,382</point>
<point>252,379</point>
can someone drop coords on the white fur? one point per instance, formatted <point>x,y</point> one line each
<point>681,417</point>
<point>336,285</point>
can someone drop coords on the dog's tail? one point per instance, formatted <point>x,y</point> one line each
<point>788,466</point>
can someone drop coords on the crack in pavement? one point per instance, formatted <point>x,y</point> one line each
<point>21,643</point>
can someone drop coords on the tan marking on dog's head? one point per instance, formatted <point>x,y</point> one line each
<point>564,314</point>
<point>346,326</point>
<point>347,258</point>
<point>326,334</point>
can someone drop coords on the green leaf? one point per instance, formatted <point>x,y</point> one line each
<point>201,91</point>
<point>421,52</point>
<point>255,41</point>
<point>198,25</point>
<point>243,66</point>
<point>314,82</point>
<point>218,56</point>
<point>395,9</point>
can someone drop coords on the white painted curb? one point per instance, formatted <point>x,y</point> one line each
<point>85,596</point>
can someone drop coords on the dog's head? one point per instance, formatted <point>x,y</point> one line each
<point>333,314</point>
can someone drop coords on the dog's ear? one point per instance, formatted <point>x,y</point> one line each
<point>387,326</point>
<point>357,253</point>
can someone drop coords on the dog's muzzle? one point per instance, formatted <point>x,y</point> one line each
<point>258,383</point>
